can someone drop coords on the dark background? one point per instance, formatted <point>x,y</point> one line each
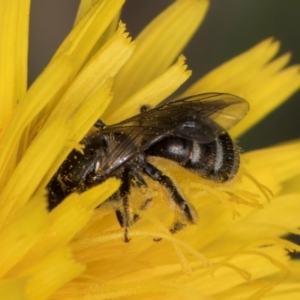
<point>230,27</point>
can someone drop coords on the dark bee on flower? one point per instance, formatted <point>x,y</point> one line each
<point>191,131</point>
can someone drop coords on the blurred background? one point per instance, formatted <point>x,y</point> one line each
<point>230,27</point>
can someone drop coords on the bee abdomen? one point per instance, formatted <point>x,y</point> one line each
<point>217,160</point>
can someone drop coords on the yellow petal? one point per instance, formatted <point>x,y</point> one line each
<point>52,272</point>
<point>22,233</point>
<point>47,87</point>
<point>89,95</point>
<point>151,94</point>
<point>66,220</point>
<point>35,163</point>
<point>84,118</point>
<point>84,7</point>
<point>14,23</point>
<point>97,195</point>
<point>283,159</point>
<point>89,29</point>
<point>292,185</point>
<point>14,289</point>
<point>252,76</point>
<point>103,66</point>
<point>56,235</point>
<point>276,219</point>
<point>158,45</point>
<point>78,208</point>
<point>53,82</point>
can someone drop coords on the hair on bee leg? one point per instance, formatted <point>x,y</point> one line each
<point>124,215</point>
<point>188,212</point>
<point>124,219</point>
<point>137,180</point>
<point>146,204</point>
<point>135,216</point>
<point>177,227</point>
<point>127,219</point>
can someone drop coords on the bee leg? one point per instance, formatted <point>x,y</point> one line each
<point>118,212</point>
<point>177,227</point>
<point>124,215</point>
<point>188,213</point>
<point>139,181</point>
<point>126,218</point>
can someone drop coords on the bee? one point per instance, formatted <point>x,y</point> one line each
<point>191,131</point>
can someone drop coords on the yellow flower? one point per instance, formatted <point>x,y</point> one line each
<point>237,249</point>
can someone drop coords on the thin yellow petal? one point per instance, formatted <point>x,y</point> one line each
<point>51,273</point>
<point>276,219</point>
<point>226,281</point>
<point>107,34</point>
<point>151,94</point>
<point>104,65</point>
<point>97,195</point>
<point>292,185</point>
<point>14,23</point>
<point>22,233</point>
<point>48,86</point>
<point>229,72</point>
<point>84,7</point>
<point>35,163</point>
<point>251,75</point>
<point>89,29</point>
<point>13,289</point>
<point>57,234</point>
<point>290,293</point>
<point>53,82</point>
<point>159,44</point>
<point>76,210</point>
<point>79,208</point>
<point>268,97</point>
<point>89,95</point>
<point>83,120</point>
<point>284,159</point>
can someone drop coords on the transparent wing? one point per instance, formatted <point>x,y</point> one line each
<point>200,117</point>
<point>224,109</point>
